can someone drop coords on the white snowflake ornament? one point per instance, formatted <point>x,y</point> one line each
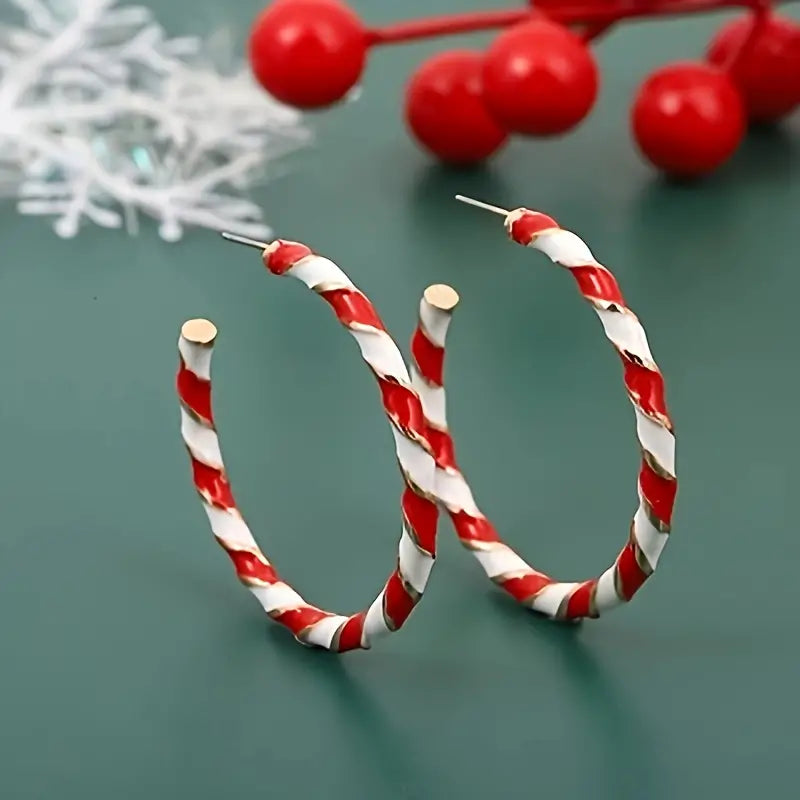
<point>103,117</point>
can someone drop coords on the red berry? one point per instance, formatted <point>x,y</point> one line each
<point>768,71</point>
<point>444,109</point>
<point>307,53</point>
<point>688,118</point>
<point>539,79</point>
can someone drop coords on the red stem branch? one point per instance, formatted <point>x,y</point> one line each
<point>596,16</point>
<point>445,25</point>
<point>761,12</point>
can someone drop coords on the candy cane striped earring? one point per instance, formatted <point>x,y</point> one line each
<point>417,549</point>
<point>657,484</point>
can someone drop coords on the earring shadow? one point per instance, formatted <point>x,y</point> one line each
<point>386,751</point>
<point>628,753</point>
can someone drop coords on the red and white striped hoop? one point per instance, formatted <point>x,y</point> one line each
<point>657,483</point>
<point>417,549</point>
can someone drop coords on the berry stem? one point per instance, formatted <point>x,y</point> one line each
<point>446,24</point>
<point>597,17</point>
<point>761,10</point>
<point>595,31</point>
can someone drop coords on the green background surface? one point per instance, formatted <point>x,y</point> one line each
<point>132,664</point>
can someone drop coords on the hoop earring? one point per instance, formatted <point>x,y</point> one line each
<point>657,484</point>
<point>309,624</point>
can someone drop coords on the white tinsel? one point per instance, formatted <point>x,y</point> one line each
<point>102,116</point>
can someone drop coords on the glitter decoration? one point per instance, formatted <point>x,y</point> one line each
<point>105,118</point>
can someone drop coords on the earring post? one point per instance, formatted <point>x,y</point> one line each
<point>245,240</point>
<point>480,204</point>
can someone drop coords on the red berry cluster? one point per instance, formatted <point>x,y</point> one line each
<point>539,77</point>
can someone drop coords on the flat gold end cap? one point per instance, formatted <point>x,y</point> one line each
<point>442,296</point>
<point>199,331</point>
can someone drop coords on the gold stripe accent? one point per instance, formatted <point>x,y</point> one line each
<point>427,334</point>
<point>414,487</point>
<point>386,618</point>
<point>407,587</point>
<point>561,611</point>
<point>547,232</point>
<point>594,611</point>
<point>337,637</point>
<point>209,502</point>
<point>406,433</point>
<point>599,304</point>
<point>618,584</point>
<point>502,577</point>
<point>436,426</point>
<point>392,378</point>
<point>254,551</point>
<point>641,559</point>
<point>421,441</point>
<point>641,562</point>
<point>651,462</point>
<point>658,524</point>
<point>332,286</point>
<point>481,547</point>
<point>414,536</point>
<point>302,635</point>
<point>217,467</point>
<point>336,641</point>
<point>414,437</point>
<point>651,366</point>
<point>254,582</point>
<point>200,420</point>
<point>362,327</point>
<point>529,600</point>
<point>634,358</point>
<point>277,613</point>
<point>659,419</point>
